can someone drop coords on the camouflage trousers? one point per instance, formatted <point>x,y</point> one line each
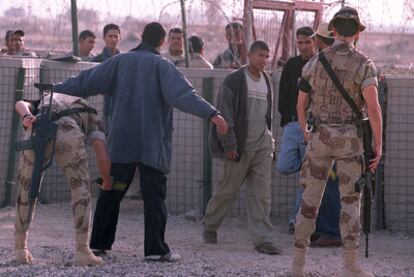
<point>326,145</point>
<point>70,153</point>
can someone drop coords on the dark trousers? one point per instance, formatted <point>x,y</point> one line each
<point>153,188</point>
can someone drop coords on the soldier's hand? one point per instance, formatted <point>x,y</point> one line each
<point>373,163</point>
<point>106,185</point>
<point>221,124</point>
<point>231,155</point>
<point>28,120</point>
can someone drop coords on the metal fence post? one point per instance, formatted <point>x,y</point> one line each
<point>379,197</point>
<point>13,137</point>
<point>207,163</point>
<point>75,39</point>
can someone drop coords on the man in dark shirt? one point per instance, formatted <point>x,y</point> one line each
<point>111,36</point>
<point>293,144</point>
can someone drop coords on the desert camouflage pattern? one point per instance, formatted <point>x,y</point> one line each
<point>335,140</point>
<point>355,71</point>
<point>327,144</point>
<point>70,153</point>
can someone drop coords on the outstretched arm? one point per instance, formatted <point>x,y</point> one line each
<point>96,80</point>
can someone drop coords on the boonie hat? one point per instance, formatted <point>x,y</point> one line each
<point>347,13</point>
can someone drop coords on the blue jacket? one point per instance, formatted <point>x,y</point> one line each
<point>144,88</point>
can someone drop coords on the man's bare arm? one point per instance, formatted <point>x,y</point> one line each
<point>370,94</point>
<point>301,106</point>
<point>103,162</point>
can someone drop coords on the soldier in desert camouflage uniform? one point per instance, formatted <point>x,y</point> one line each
<point>71,156</point>
<point>335,138</point>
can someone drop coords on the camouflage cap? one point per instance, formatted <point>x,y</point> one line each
<point>347,13</point>
<point>323,31</point>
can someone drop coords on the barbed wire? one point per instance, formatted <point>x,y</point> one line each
<point>48,25</point>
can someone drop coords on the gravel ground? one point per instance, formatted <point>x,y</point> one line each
<point>51,243</point>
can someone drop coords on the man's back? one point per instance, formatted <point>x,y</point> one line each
<point>143,88</point>
<point>354,70</point>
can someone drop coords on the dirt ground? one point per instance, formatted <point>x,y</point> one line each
<point>51,243</point>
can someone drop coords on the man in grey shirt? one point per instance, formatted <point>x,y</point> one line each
<point>245,100</point>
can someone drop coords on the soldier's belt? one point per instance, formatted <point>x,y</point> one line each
<point>336,122</point>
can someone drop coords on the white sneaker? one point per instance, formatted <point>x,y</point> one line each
<point>169,257</point>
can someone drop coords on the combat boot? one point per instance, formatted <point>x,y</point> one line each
<point>350,267</point>
<point>298,265</point>
<point>23,255</point>
<point>83,254</point>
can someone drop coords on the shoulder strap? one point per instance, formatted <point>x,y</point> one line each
<point>67,112</point>
<point>338,84</point>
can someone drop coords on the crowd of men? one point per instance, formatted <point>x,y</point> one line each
<point>142,86</point>
<point>231,58</point>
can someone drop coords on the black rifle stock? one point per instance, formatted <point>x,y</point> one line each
<point>44,132</point>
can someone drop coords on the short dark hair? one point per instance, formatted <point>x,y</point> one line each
<point>111,26</point>
<point>259,44</point>
<point>327,41</point>
<point>346,27</point>
<point>304,31</point>
<point>153,33</point>
<point>195,44</point>
<point>175,30</point>
<point>9,33</point>
<point>86,34</point>
<point>233,25</point>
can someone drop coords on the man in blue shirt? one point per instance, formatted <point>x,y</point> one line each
<point>144,88</point>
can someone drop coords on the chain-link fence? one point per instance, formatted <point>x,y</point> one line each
<point>17,77</point>
<point>399,155</point>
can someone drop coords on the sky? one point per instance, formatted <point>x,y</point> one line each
<point>376,14</point>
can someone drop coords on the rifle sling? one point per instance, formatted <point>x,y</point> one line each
<point>338,85</point>
<point>58,115</point>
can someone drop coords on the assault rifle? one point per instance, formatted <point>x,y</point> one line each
<point>366,180</point>
<point>43,132</point>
